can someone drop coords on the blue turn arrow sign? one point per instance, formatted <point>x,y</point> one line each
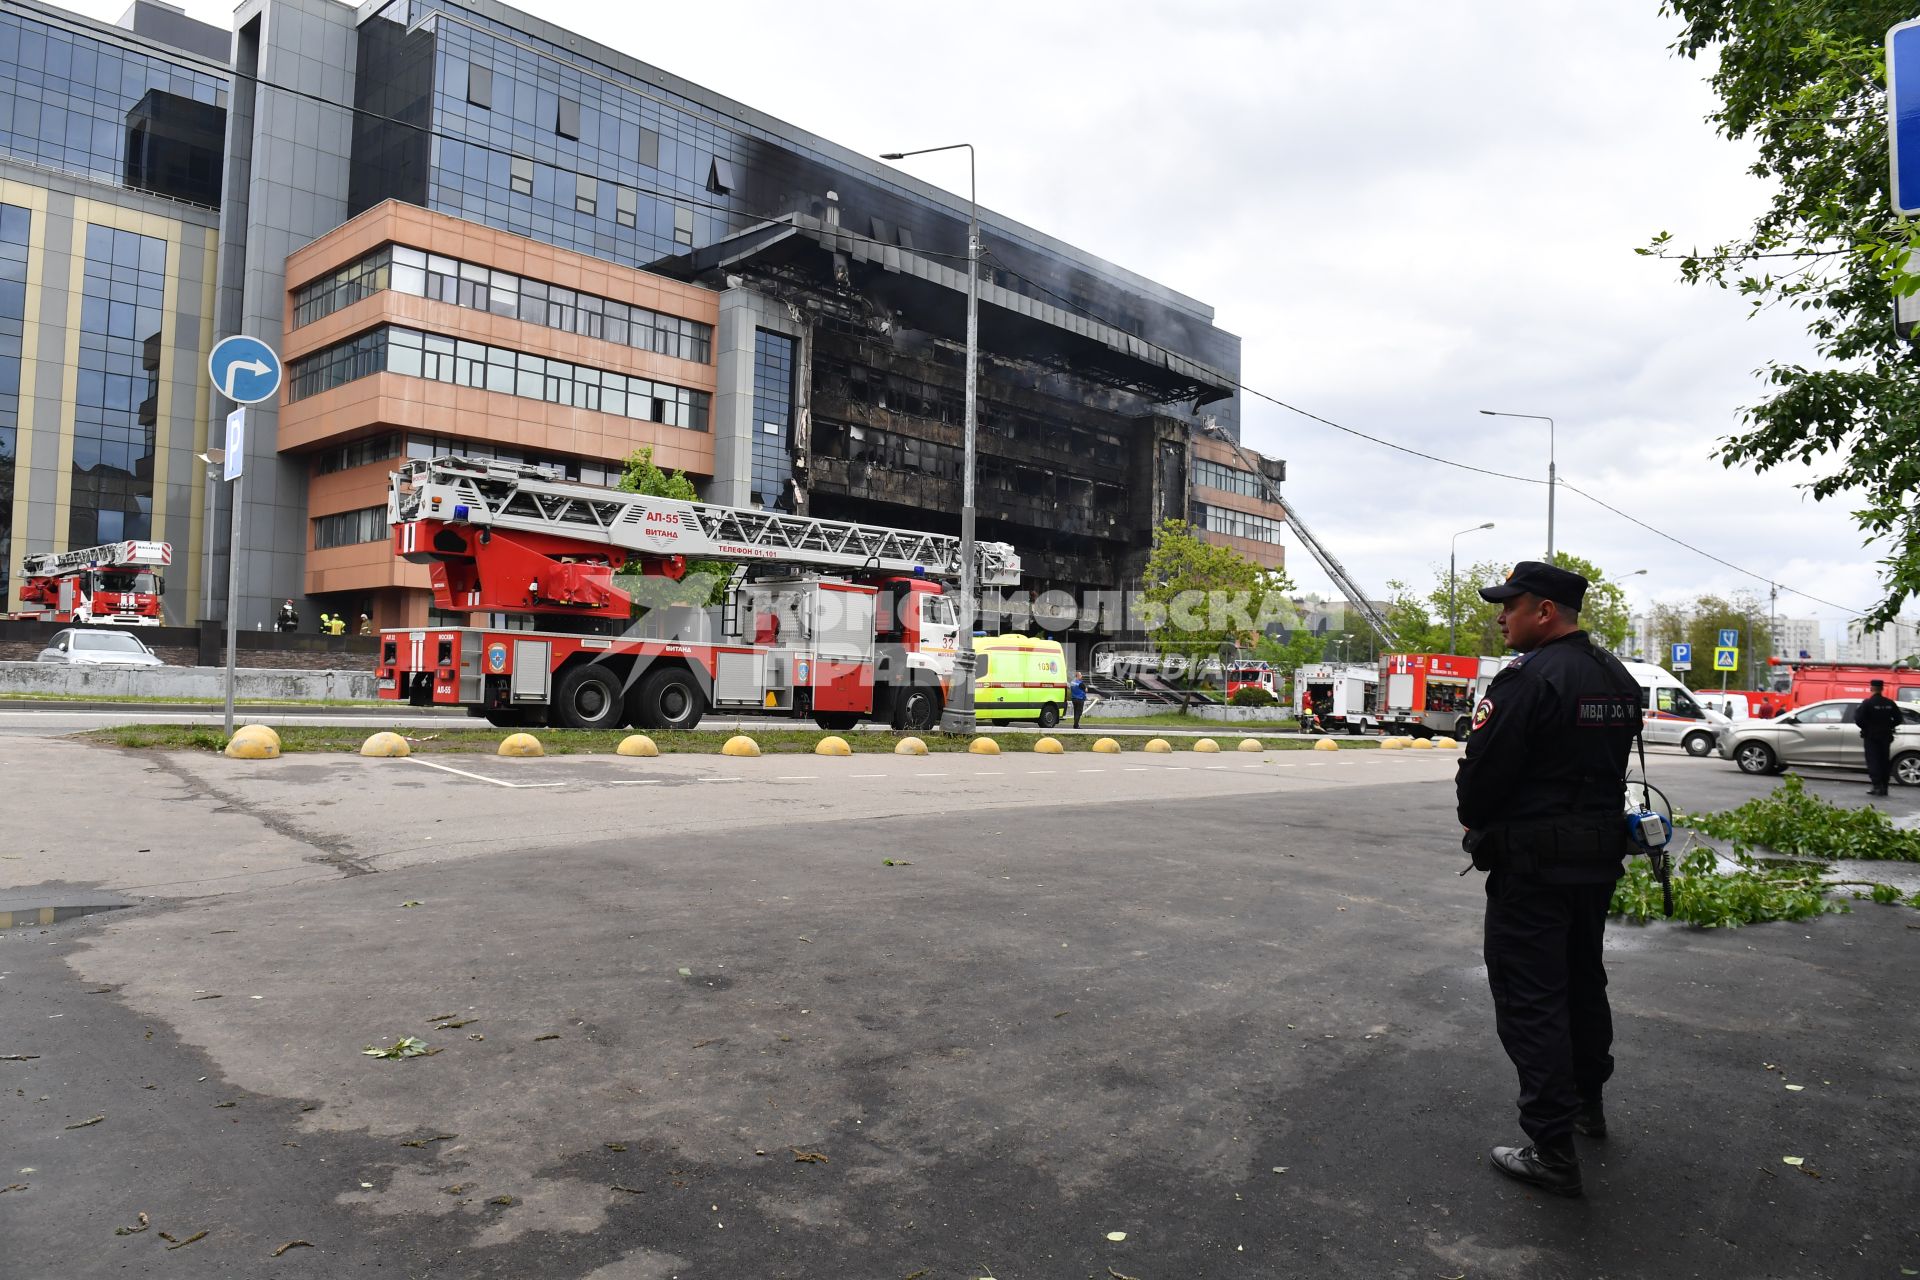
<point>244,370</point>
<point>1903,116</point>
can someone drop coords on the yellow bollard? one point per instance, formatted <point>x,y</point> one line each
<point>740,745</point>
<point>1107,746</point>
<point>636,744</point>
<point>1446,744</point>
<point>910,747</point>
<point>1391,744</point>
<point>521,744</point>
<point>1048,747</point>
<point>387,744</point>
<point>1206,745</point>
<point>254,742</point>
<point>983,747</point>
<point>832,745</point>
<point>1326,744</point>
<point>1251,744</point>
<point>1422,744</point>
<point>1158,746</point>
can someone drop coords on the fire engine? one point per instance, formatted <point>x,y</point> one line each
<point>835,621</point>
<point>1816,681</point>
<point>1340,696</point>
<point>1252,675</point>
<point>1429,693</point>
<point>116,584</point>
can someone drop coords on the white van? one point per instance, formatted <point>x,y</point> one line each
<point>1673,716</point>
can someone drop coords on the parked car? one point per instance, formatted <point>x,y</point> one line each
<point>1820,733</point>
<point>92,647</point>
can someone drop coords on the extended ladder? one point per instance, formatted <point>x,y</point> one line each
<point>111,555</point>
<point>533,499</point>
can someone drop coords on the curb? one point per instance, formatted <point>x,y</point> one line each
<point>27,910</point>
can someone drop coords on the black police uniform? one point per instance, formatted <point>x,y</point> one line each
<point>1877,717</point>
<point>1542,793</point>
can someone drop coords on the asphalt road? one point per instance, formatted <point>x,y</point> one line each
<point>1232,1009</point>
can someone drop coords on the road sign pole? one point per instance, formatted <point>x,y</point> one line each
<point>233,589</point>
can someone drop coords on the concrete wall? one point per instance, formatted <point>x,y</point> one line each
<point>198,683</point>
<point>206,647</point>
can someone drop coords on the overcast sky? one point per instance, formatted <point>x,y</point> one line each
<point>1407,211</point>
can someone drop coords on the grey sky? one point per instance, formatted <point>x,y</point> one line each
<point>1408,211</point>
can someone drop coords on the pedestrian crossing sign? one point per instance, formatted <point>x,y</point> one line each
<point>1726,659</point>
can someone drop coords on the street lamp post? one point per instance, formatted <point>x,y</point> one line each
<point>1552,480</point>
<point>212,458</point>
<point>1453,602</point>
<point>957,715</point>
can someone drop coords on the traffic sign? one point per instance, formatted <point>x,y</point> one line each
<point>1682,657</point>
<point>244,370</point>
<point>1726,658</point>
<point>236,460</point>
<point>1729,638</point>
<point>1903,116</point>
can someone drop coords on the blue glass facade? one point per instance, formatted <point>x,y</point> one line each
<point>118,387</point>
<point>773,373</point>
<point>16,224</point>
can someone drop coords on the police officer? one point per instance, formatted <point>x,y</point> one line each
<point>1877,717</point>
<point>1542,796</point>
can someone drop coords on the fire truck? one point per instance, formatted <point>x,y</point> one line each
<point>1817,681</point>
<point>1429,693</point>
<point>834,621</point>
<point>1340,696</point>
<point>116,584</point>
<point>1252,675</point>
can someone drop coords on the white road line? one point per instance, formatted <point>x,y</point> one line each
<point>1092,771</point>
<point>719,779</point>
<point>1139,768</point>
<point>796,777</point>
<point>445,768</point>
<point>935,773</point>
<point>637,782</point>
<point>866,775</point>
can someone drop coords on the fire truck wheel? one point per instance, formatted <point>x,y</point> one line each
<point>668,698</point>
<point>1461,728</point>
<point>918,709</point>
<point>836,721</point>
<point>1049,716</point>
<point>588,697</point>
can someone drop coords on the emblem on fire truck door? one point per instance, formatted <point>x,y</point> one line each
<point>803,672</point>
<point>496,657</point>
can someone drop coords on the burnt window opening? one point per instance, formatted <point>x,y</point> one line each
<point>720,176</point>
<point>567,119</point>
<point>522,179</point>
<point>480,86</point>
<point>880,229</point>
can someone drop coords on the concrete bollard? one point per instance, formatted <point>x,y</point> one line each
<point>910,747</point>
<point>636,744</point>
<point>832,745</point>
<point>1158,746</point>
<point>254,742</point>
<point>983,747</point>
<point>1326,744</point>
<point>1107,747</point>
<point>1251,744</point>
<point>1206,746</point>
<point>521,744</point>
<point>1446,744</point>
<point>1392,744</point>
<point>740,745</point>
<point>1422,744</point>
<point>385,744</point>
<point>1048,747</point>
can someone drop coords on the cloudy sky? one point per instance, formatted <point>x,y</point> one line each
<point>1408,211</point>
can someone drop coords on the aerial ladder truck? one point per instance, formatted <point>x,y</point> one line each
<point>822,619</point>
<point>116,584</point>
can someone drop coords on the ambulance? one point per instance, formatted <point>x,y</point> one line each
<point>1019,678</point>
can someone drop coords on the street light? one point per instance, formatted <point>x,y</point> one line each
<point>1551,482</point>
<point>1453,604</point>
<point>215,460</point>
<point>957,715</point>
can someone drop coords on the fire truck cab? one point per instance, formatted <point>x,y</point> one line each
<point>1429,693</point>
<point>116,584</point>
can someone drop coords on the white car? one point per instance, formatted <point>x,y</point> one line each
<point>1820,733</point>
<point>88,647</point>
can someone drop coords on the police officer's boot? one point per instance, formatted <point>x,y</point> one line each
<point>1591,1121</point>
<point>1552,1167</point>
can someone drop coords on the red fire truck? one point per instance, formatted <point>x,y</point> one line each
<point>1817,681</point>
<point>1429,693</point>
<point>1252,674</point>
<point>117,584</point>
<point>823,619</point>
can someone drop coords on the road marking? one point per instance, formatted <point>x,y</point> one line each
<point>446,768</point>
<point>1092,770</point>
<point>638,782</point>
<point>797,777</point>
<point>866,775</point>
<point>719,779</point>
<point>1139,768</point>
<point>1249,766</point>
<point>936,773</point>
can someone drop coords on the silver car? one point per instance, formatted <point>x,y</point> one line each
<point>90,647</point>
<point>1820,733</point>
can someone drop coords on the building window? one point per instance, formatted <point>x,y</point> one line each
<point>420,447</point>
<point>1236,524</point>
<point>521,179</point>
<point>16,222</point>
<point>413,354</point>
<point>1228,479</point>
<point>586,194</point>
<point>720,176</point>
<point>626,206</point>
<point>360,453</point>
<point>117,386</point>
<point>683,227</point>
<point>480,85</point>
<point>773,370</point>
<point>567,120</point>
<point>320,298</point>
<point>349,528</point>
<point>649,148</point>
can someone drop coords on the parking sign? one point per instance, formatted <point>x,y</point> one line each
<point>1682,657</point>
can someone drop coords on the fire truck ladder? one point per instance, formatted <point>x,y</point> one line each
<point>536,500</point>
<point>107,556</point>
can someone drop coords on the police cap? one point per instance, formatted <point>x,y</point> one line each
<point>1549,582</point>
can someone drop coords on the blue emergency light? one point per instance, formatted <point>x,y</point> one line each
<point>459,511</point>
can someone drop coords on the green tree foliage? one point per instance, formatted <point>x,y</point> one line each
<point>705,580</point>
<point>1699,623</point>
<point>1202,600</point>
<point>1605,615</point>
<point>1804,81</point>
<point>1477,620</point>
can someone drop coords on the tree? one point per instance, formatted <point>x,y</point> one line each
<point>1605,615</point>
<point>1414,628</point>
<point>1202,600</point>
<point>1699,623</point>
<point>705,580</point>
<point>1476,620</point>
<point>1805,82</point>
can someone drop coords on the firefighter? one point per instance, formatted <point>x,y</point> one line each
<point>289,617</point>
<point>1542,797</point>
<point>337,624</point>
<point>326,622</point>
<point>366,625</point>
